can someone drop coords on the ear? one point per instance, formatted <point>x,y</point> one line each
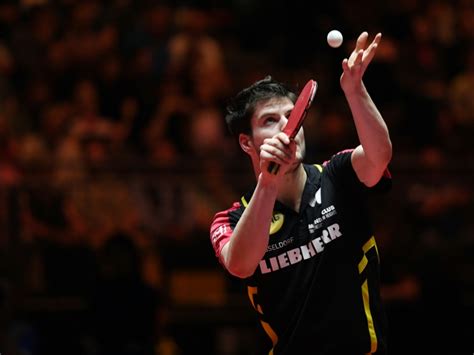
<point>245,143</point>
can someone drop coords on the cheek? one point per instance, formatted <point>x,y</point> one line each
<point>263,132</point>
<point>300,138</point>
<point>302,149</point>
<point>300,134</point>
<point>301,144</point>
<point>257,140</point>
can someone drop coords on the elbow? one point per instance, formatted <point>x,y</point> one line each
<point>238,264</point>
<point>384,156</point>
<point>388,152</point>
<point>241,272</point>
<point>376,167</point>
<point>238,268</point>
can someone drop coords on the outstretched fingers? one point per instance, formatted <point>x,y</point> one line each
<point>355,66</point>
<point>370,51</point>
<point>359,56</point>
<point>354,62</point>
<point>360,44</point>
<point>377,38</point>
<point>362,56</point>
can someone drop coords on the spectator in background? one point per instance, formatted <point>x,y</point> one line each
<point>461,96</point>
<point>125,311</point>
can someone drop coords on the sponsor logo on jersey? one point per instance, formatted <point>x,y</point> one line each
<point>303,252</point>
<point>277,222</point>
<point>277,218</point>
<point>219,232</point>
<point>318,222</point>
<point>316,198</point>
<point>279,245</point>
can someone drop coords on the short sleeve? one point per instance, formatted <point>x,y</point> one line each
<point>222,227</point>
<point>340,170</point>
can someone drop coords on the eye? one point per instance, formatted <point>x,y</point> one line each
<point>269,120</point>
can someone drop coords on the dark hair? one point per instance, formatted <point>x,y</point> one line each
<point>242,106</point>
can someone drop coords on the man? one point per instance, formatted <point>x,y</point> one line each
<point>301,240</point>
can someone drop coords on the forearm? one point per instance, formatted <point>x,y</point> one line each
<point>371,129</point>
<point>250,237</point>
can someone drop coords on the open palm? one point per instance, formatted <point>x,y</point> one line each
<point>354,67</point>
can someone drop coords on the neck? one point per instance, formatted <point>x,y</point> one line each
<point>291,189</point>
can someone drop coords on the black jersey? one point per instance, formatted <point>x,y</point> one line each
<point>316,290</point>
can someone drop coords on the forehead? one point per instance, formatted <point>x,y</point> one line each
<point>275,105</point>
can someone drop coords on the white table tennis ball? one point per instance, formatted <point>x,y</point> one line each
<point>334,38</point>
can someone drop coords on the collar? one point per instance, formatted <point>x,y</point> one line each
<point>313,182</point>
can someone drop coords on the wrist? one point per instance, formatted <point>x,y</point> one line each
<point>355,90</point>
<point>268,183</point>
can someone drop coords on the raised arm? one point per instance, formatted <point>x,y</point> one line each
<point>372,156</point>
<point>249,241</point>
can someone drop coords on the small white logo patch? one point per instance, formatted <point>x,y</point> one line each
<point>316,198</point>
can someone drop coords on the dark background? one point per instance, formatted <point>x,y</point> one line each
<point>114,158</point>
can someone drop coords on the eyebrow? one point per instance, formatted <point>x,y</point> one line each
<point>272,113</point>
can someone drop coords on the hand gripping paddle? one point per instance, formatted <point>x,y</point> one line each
<point>297,116</point>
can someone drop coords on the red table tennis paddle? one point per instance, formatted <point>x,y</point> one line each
<point>297,116</point>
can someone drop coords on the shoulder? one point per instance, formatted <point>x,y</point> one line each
<point>314,167</point>
<point>342,157</point>
<point>222,226</point>
<point>225,215</point>
<point>339,168</point>
<point>337,165</point>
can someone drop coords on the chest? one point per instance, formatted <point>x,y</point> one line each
<point>318,223</point>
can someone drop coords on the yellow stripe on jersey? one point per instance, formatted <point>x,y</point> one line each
<point>319,167</point>
<point>252,292</point>
<point>271,333</point>
<point>362,264</point>
<point>371,244</point>
<point>370,322</point>
<point>365,293</point>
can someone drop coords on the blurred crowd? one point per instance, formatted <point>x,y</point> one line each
<point>114,155</point>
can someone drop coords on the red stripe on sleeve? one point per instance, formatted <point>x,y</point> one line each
<point>221,229</point>
<point>349,150</point>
